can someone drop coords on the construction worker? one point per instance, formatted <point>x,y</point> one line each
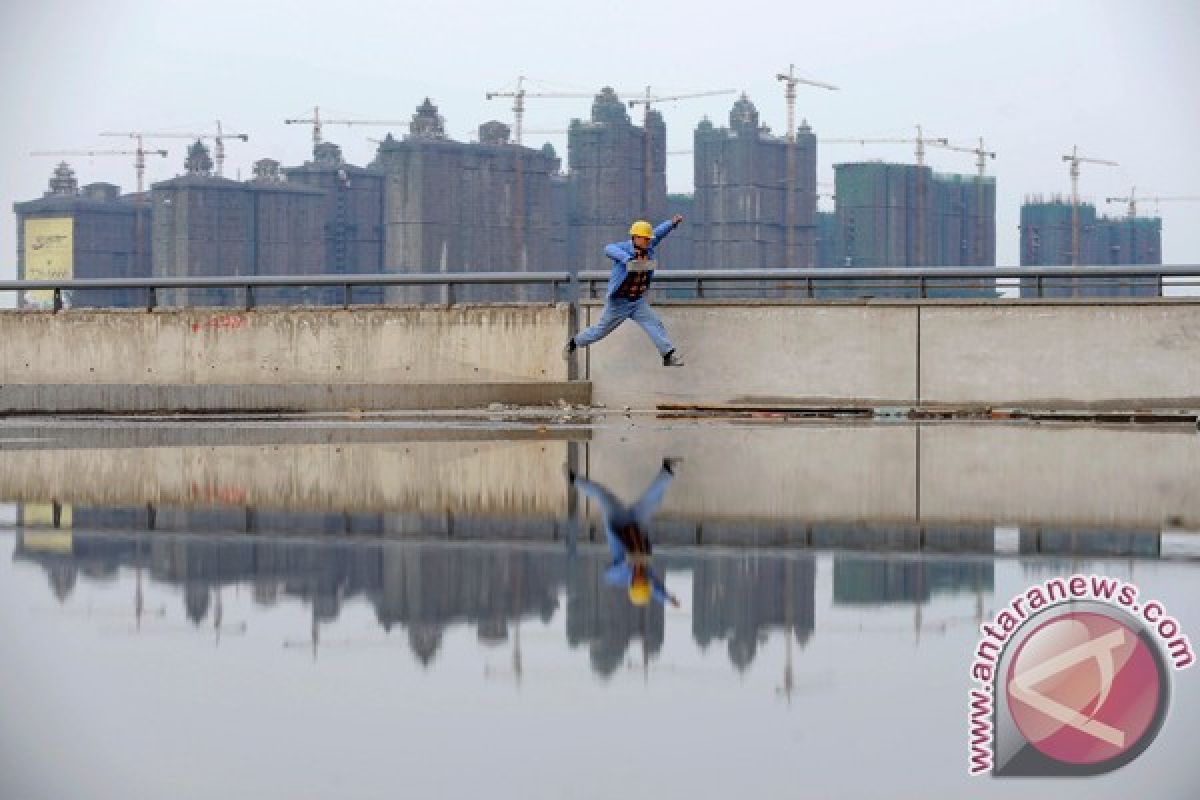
<point>626,529</point>
<point>633,268</point>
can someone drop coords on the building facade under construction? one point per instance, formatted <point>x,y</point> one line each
<point>616,173</point>
<point>756,194</point>
<point>351,216</point>
<point>82,232</point>
<point>1056,233</point>
<point>209,226</point>
<point>905,215</point>
<point>454,207</point>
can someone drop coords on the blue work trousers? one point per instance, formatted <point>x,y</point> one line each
<point>619,309</point>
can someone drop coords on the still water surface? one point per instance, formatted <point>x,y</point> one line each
<point>469,636</point>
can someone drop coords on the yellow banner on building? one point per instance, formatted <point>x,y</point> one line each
<point>49,255</point>
<point>39,531</point>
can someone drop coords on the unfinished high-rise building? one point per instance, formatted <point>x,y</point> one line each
<point>351,217</point>
<point>744,217</point>
<point>826,247</point>
<point>286,234</point>
<point>679,251</point>
<point>616,174</point>
<point>1048,239</point>
<point>905,215</point>
<point>452,207</point>
<point>885,215</point>
<point>964,220</point>
<point>89,232</point>
<point>208,226</point>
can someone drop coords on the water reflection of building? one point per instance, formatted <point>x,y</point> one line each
<point>459,575</point>
<point>874,580</point>
<point>1090,541</point>
<point>601,617</point>
<point>427,588</point>
<point>741,598</point>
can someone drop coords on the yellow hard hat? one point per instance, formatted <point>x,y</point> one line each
<point>639,592</point>
<point>641,228</point>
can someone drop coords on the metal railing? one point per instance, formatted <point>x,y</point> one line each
<point>804,283</point>
<point>920,280</point>
<point>249,283</point>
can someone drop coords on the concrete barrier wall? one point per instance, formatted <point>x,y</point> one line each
<point>365,345</point>
<point>939,474</point>
<point>762,353</point>
<point>876,353</point>
<point>962,353</point>
<point>933,475</point>
<point>1062,355</point>
<point>496,477</point>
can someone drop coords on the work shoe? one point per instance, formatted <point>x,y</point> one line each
<point>568,348</point>
<point>672,359</point>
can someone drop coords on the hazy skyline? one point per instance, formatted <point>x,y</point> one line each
<point>1032,78</point>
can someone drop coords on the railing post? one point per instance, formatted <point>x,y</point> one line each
<point>57,300</point>
<point>1158,279</point>
<point>449,293</point>
<point>1039,284</point>
<point>249,297</point>
<point>346,295</point>
<point>808,287</point>
<point>151,298</point>
<point>921,286</point>
<point>699,288</point>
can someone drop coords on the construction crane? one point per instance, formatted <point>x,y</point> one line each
<point>219,138</point>
<point>139,162</point>
<point>981,157</point>
<point>1074,159</point>
<point>921,142</point>
<point>645,102</point>
<point>791,80</point>
<point>1133,200</point>
<point>316,122</point>
<point>519,96</point>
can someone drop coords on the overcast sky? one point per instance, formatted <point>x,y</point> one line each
<point>1033,78</point>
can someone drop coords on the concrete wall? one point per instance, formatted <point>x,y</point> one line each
<point>748,353</point>
<point>1062,355</point>
<point>770,475</point>
<point>939,474</point>
<point>375,345</point>
<point>1028,354</point>
<point>1056,354</point>
<point>495,477</point>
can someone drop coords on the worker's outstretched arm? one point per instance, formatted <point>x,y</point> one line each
<point>663,228</point>
<point>660,592</point>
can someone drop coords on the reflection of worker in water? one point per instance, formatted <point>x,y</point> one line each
<point>626,528</point>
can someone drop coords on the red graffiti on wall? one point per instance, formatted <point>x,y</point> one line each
<point>223,322</point>
<point>218,495</point>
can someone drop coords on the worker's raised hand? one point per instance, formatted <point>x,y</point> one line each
<point>676,219</point>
